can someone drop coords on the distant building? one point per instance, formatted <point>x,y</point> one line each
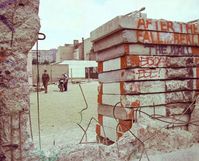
<point>78,68</point>
<point>74,55</point>
<point>65,52</point>
<point>44,55</point>
<point>76,51</point>
<point>88,49</point>
<point>70,52</point>
<point>92,55</point>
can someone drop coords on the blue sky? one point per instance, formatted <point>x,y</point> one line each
<point>65,20</point>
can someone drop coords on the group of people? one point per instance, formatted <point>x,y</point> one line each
<point>63,82</point>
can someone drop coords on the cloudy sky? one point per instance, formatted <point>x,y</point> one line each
<point>65,20</point>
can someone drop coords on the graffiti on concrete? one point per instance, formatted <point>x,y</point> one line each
<point>6,3</point>
<point>187,33</point>
<point>168,50</point>
<point>167,26</point>
<point>7,22</point>
<point>167,38</point>
<point>147,73</point>
<point>152,61</point>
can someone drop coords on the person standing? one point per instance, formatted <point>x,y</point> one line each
<point>65,82</point>
<point>45,80</point>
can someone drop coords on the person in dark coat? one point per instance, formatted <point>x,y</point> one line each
<point>65,82</point>
<point>45,80</point>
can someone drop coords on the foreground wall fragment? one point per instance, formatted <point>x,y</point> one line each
<point>19,26</point>
<point>147,65</point>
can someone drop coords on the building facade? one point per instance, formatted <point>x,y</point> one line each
<point>76,51</point>
<point>45,56</point>
<point>65,52</point>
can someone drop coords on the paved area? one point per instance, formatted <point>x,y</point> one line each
<point>59,113</point>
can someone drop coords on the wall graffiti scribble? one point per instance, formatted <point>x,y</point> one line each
<point>6,3</point>
<point>152,61</point>
<point>7,22</point>
<point>148,73</point>
<point>3,18</point>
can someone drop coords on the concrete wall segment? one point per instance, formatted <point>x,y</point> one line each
<point>142,23</point>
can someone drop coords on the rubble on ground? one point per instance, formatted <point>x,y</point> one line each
<point>145,138</point>
<point>194,127</point>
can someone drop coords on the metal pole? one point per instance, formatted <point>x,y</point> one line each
<point>20,137</point>
<point>71,75</point>
<point>30,122</point>
<point>51,75</point>
<point>83,58</point>
<point>38,109</point>
<point>11,137</point>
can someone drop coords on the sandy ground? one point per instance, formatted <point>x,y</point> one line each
<point>59,113</point>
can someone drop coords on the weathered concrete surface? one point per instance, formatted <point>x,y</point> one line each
<point>146,37</point>
<point>179,108</point>
<point>151,67</point>
<point>146,50</point>
<point>126,152</point>
<point>142,23</point>
<point>112,128</point>
<point>142,87</point>
<point>19,26</point>
<point>146,99</point>
<point>152,133</point>
<point>147,61</point>
<point>188,154</point>
<point>155,139</point>
<point>122,113</point>
<point>147,74</point>
<point>108,128</point>
<point>194,127</point>
<point>115,112</point>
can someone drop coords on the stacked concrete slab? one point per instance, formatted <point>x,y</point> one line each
<point>147,65</point>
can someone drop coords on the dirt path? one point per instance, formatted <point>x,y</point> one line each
<point>59,113</point>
